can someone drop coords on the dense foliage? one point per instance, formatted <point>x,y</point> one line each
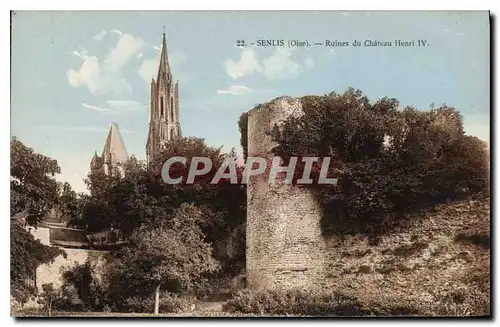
<point>69,204</point>
<point>34,191</point>
<point>324,302</point>
<point>26,254</point>
<point>33,188</point>
<point>243,128</point>
<point>172,255</point>
<point>389,161</point>
<point>141,199</point>
<point>177,235</point>
<point>312,302</point>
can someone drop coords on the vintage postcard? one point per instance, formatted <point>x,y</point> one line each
<point>250,164</point>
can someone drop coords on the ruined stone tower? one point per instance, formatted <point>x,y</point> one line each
<point>164,108</point>
<point>285,248</point>
<point>113,154</point>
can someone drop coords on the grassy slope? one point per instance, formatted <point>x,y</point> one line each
<point>440,263</point>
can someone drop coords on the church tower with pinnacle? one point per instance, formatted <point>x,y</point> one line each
<point>113,155</point>
<point>164,108</point>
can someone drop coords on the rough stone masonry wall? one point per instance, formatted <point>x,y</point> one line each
<point>285,248</point>
<point>52,272</point>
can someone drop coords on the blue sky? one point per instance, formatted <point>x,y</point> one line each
<point>73,73</point>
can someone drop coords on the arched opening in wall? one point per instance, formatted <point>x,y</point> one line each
<point>161,106</point>
<point>172,134</point>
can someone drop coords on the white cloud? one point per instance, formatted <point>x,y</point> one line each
<point>82,54</point>
<point>149,68</point>
<point>88,75</point>
<point>96,108</point>
<point>103,77</point>
<point>126,48</point>
<point>235,90</point>
<point>116,106</point>
<point>115,31</point>
<point>309,63</point>
<point>124,105</point>
<point>247,64</point>
<point>279,65</point>
<point>100,35</point>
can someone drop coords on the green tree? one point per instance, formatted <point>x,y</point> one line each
<point>32,183</point>
<point>69,203</point>
<point>141,197</point>
<point>172,255</point>
<point>34,192</point>
<point>142,206</point>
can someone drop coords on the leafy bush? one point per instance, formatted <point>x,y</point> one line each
<point>33,188</point>
<point>46,297</point>
<point>243,128</point>
<point>145,304</point>
<point>26,254</point>
<point>68,299</point>
<point>81,291</point>
<point>171,302</point>
<point>311,303</point>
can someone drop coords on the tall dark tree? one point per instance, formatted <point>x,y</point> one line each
<point>33,192</point>
<point>32,184</point>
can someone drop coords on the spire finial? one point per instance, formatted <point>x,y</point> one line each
<point>164,41</point>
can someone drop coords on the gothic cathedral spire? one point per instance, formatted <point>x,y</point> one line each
<point>164,108</point>
<point>164,68</point>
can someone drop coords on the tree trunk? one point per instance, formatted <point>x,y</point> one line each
<point>50,308</point>
<point>157,300</point>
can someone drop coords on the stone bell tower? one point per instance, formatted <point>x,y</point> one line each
<point>164,108</point>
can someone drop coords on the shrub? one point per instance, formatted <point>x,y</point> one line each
<point>169,303</point>
<point>68,299</point>
<point>26,254</point>
<point>80,291</point>
<point>310,303</point>
<point>460,302</point>
<point>46,298</point>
